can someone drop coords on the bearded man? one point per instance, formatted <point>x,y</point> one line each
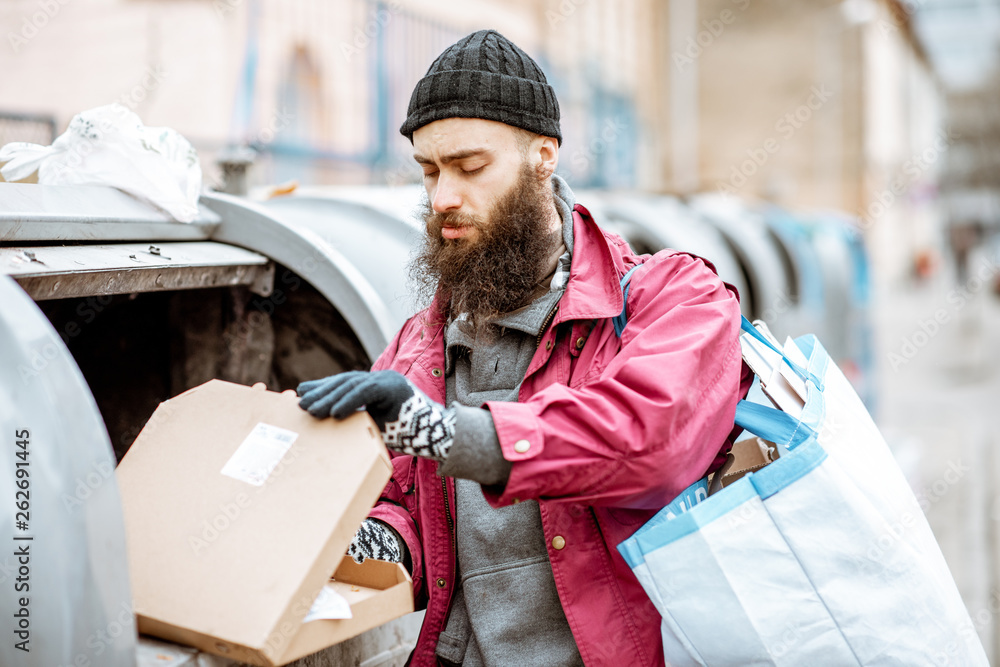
<point>528,437</point>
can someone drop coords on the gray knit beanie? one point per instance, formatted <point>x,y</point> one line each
<point>485,75</point>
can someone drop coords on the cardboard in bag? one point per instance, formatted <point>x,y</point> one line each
<point>239,506</point>
<point>747,456</point>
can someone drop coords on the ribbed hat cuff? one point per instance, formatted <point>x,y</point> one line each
<point>487,95</point>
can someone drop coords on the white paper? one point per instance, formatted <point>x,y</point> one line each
<point>793,352</point>
<point>329,605</point>
<point>259,453</point>
<point>782,394</point>
<point>777,379</point>
<point>760,359</point>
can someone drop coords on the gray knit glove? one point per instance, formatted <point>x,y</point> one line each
<point>410,422</point>
<point>376,539</point>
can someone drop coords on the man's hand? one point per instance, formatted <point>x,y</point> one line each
<point>377,540</point>
<point>410,422</point>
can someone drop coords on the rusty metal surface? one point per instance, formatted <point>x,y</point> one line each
<point>59,272</point>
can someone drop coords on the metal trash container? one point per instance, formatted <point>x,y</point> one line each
<point>847,293</point>
<point>116,308</point>
<point>772,286</point>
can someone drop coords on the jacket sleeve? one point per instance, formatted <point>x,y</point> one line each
<point>397,505</point>
<point>653,420</point>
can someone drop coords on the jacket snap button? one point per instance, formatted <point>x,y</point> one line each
<point>558,542</point>
<point>516,501</point>
<point>441,583</point>
<point>580,342</point>
<point>548,345</point>
<point>436,372</point>
<point>521,446</point>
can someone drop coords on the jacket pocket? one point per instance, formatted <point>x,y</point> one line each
<point>514,609</point>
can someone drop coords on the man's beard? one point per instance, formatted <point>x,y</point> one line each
<point>498,271</point>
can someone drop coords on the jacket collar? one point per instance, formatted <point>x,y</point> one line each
<point>593,291</point>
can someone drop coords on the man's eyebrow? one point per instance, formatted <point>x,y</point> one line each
<point>458,155</point>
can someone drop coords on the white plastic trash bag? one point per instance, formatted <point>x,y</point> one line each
<point>822,557</point>
<point>109,145</point>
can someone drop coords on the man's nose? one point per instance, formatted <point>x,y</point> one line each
<point>447,196</point>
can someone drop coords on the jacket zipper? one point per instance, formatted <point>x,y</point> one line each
<point>548,320</point>
<point>447,514</point>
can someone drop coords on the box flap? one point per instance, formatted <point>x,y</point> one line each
<point>241,555</point>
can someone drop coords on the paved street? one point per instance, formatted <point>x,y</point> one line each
<point>938,388</point>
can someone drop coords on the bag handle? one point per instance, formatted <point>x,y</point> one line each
<point>772,424</point>
<point>621,319</point>
<point>747,326</point>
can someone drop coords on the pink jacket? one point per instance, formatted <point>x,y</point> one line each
<point>605,432</point>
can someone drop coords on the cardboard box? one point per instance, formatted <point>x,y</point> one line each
<point>238,507</point>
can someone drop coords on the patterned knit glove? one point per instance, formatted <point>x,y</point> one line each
<point>377,540</point>
<point>410,422</point>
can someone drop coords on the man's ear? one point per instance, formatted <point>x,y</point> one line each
<point>547,150</point>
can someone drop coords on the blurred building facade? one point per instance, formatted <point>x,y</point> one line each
<point>828,105</point>
<point>810,103</point>
<point>970,183</point>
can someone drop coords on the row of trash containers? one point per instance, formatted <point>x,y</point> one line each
<point>799,273</point>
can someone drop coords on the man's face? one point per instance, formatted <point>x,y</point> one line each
<point>468,164</point>
<point>491,222</point>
